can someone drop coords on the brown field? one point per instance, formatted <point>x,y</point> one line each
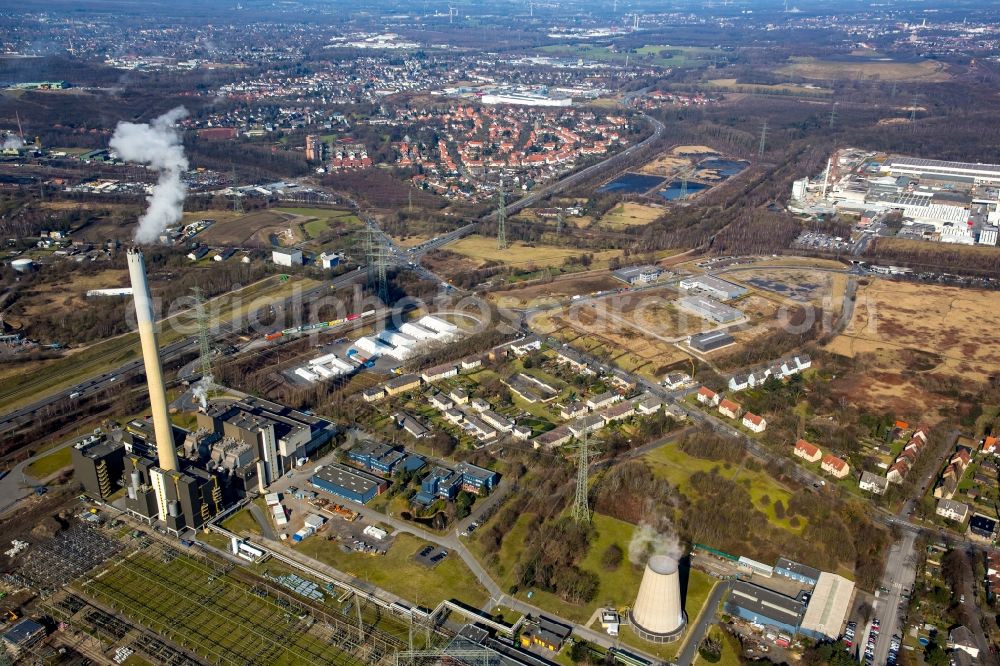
<point>904,330</point>
<point>630,214</point>
<point>734,84</point>
<point>812,68</point>
<point>541,295</point>
<point>482,249</point>
<point>252,229</point>
<point>72,295</point>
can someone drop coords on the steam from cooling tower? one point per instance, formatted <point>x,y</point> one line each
<point>648,542</point>
<point>200,391</point>
<point>157,145</point>
<point>12,142</point>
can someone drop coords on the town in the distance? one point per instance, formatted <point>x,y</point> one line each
<point>521,333</point>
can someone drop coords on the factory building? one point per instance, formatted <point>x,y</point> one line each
<point>347,482</point>
<point>706,342</point>
<point>446,483</point>
<point>286,257</point>
<point>929,169</point>
<point>277,436</point>
<point>708,308</point>
<point>713,286</point>
<point>765,607</point>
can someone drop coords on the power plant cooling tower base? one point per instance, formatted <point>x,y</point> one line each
<point>658,615</point>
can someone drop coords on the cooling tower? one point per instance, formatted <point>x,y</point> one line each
<point>165,449</point>
<point>658,614</point>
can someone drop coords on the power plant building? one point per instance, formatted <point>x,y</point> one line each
<point>658,613</point>
<point>98,463</point>
<point>276,436</point>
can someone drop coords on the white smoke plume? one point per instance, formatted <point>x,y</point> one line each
<point>157,145</point>
<point>12,142</point>
<point>648,541</point>
<point>200,391</point>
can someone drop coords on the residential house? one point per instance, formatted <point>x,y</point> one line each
<point>961,639</point>
<point>729,408</point>
<point>439,372</point>
<point>806,451</point>
<point>618,412</point>
<point>897,471</point>
<point>952,510</point>
<point>675,380</point>
<point>471,363</point>
<point>373,394</point>
<point>649,405</point>
<point>402,384</point>
<point>459,395</point>
<point>991,446</point>
<point>873,483</point>
<point>573,410</point>
<point>479,404</point>
<point>441,402</point>
<point>833,465</point>
<point>707,396</point>
<point>754,423</point>
<point>739,382</point>
<point>603,400</point>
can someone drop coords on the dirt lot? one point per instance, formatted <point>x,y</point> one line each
<point>550,293</point>
<point>255,228</point>
<point>904,330</point>
<point>71,295</point>
<point>802,285</point>
<point>482,249</point>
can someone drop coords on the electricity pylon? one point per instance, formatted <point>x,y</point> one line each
<point>501,220</point>
<point>581,506</point>
<point>237,199</point>
<point>763,138</point>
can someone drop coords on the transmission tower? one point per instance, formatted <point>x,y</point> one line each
<point>913,110</point>
<point>833,114</point>
<point>581,508</point>
<point>237,199</point>
<point>381,267</point>
<point>369,241</point>
<point>763,139</point>
<point>204,348</point>
<point>559,223</point>
<point>501,220</point>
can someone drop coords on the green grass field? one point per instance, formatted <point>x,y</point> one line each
<point>50,463</point>
<point>399,573</point>
<point>677,467</point>
<point>661,55</point>
<point>208,612</point>
<point>242,521</point>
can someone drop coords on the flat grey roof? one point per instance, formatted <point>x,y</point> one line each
<point>768,603</point>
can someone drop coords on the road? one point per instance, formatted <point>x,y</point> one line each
<point>696,633</point>
<point>900,571</point>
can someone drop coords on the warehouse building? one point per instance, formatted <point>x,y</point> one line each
<point>347,482</point>
<point>22,636</point>
<point>829,605</point>
<point>765,607</point>
<point>706,342</point>
<point>286,257</point>
<point>638,274</point>
<point>721,289</point>
<point>708,308</point>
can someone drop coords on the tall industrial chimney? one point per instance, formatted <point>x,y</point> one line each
<point>658,614</point>
<point>165,449</point>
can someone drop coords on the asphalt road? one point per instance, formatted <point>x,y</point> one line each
<point>696,633</point>
<point>900,571</point>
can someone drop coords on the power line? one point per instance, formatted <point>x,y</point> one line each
<point>501,219</point>
<point>833,114</point>
<point>763,139</point>
<point>237,199</point>
<point>204,348</point>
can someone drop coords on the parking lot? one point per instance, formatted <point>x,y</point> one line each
<point>431,556</point>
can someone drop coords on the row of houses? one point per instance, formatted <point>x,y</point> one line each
<point>829,463</point>
<point>731,409</point>
<point>779,370</point>
<point>475,416</point>
<point>411,381</point>
<point>606,411</point>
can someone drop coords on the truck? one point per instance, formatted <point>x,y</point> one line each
<point>74,395</point>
